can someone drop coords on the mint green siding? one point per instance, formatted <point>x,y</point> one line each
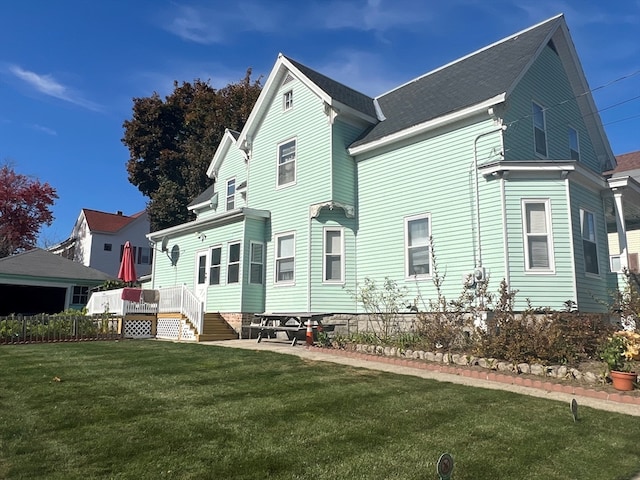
<point>328,296</point>
<point>289,205</point>
<point>542,289</point>
<point>562,112</point>
<point>343,168</point>
<point>431,176</point>
<point>593,292</point>
<point>253,294</point>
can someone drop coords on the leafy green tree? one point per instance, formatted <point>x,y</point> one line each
<point>172,141</point>
<point>24,209</point>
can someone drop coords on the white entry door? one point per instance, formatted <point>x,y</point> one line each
<point>202,275</point>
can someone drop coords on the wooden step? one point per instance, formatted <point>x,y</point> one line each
<point>212,337</point>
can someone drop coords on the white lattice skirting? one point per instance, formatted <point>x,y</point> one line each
<point>137,329</point>
<point>174,329</point>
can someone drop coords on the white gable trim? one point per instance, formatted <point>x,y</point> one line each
<point>226,143</point>
<point>272,85</point>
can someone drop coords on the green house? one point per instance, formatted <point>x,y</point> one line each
<point>491,165</point>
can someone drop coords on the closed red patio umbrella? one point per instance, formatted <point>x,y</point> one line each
<point>127,272</point>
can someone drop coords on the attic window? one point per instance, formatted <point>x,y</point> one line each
<point>287,100</point>
<point>107,247</point>
<point>552,46</point>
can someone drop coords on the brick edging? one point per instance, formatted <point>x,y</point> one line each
<point>490,376</point>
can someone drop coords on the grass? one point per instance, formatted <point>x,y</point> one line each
<point>156,410</point>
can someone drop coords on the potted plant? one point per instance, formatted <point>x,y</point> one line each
<point>620,353</point>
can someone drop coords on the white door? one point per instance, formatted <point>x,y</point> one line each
<point>202,275</point>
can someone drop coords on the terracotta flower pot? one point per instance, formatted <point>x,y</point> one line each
<point>623,380</point>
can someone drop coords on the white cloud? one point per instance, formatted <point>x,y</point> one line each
<point>47,130</point>
<point>209,26</point>
<point>48,85</point>
<point>374,15</point>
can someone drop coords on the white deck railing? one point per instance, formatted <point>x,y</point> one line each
<point>172,299</point>
<point>181,299</point>
<point>110,301</point>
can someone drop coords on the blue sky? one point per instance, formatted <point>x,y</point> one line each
<point>70,68</point>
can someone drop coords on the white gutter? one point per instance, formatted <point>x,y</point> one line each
<point>427,126</point>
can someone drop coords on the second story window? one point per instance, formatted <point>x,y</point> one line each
<point>574,144</point>
<point>231,194</point>
<point>287,100</point>
<point>286,163</point>
<point>539,130</point>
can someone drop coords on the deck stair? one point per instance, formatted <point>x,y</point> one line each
<point>215,329</point>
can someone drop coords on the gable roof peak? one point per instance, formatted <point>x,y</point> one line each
<point>465,57</point>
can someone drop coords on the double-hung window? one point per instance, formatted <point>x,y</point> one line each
<point>214,268</point>
<point>285,258</point>
<point>589,243</point>
<point>231,194</point>
<point>417,234</point>
<point>574,144</point>
<point>539,130</point>
<point>233,263</point>
<point>257,263</point>
<point>287,163</point>
<point>537,236</point>
<point>333,255</point>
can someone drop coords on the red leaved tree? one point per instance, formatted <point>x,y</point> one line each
<point>24,208</point>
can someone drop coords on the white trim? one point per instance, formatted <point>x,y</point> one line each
<point>294,161</point>
<point>549,234</point>
<point>432,124</point>
<point>262,261</point>
<point>238,262</point>
<point>287,100</point>
<point>544,129</point>
<point>193,226</point>
<point>223,147</point>
<point>407,274</point>
<point>341,253</point>
<point>277,258</point>
<point>227,196</point>
<point>583,212</point>
<point>219,265</point>
<point>569,130</point>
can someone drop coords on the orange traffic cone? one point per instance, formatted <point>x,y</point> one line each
<point>309,333</point>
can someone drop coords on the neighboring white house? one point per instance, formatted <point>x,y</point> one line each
<point>97,241</point>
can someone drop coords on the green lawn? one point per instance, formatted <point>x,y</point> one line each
<point>156,410</point>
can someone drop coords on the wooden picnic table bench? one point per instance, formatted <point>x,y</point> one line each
<point>291,323</point>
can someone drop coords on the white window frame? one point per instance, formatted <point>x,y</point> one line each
<point>326,255</point>
<point>231,197</point>
<point>294,161</point>
<point>287,100</point>
<point>252,262</point>
<point>573,133</point>
<point>235,263</point>
<point>548,234</point>
<point>278,258</point>
<point>407,248</point>
<point>583,214</point>
<point>536,128</point>
<point>212,265</point>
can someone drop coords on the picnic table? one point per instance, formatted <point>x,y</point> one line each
<point>294,324</point>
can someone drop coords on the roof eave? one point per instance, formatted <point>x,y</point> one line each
<point>429,125</point>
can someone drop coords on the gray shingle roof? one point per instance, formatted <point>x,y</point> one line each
<point>469,81</point>
<point>336,90</point>
<point>40,263</point>
<point>203,197</point>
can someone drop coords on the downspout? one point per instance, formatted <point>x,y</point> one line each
<point>478,259</point>
<point>505,231</point>
<point>309,263</point>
